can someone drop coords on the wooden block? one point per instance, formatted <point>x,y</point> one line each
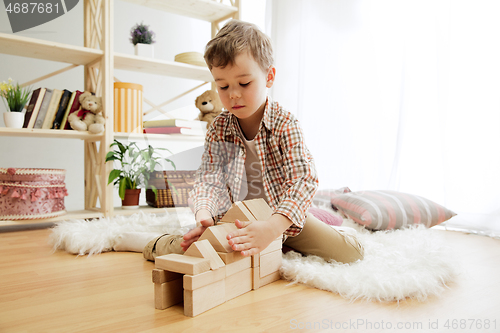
<point>230,257</point>
<point>168,294</point>
<point>216,235</point>
<point>162,276</point>
<point>270,263</point>
<point>238,211</point>
<point>203,249</point>
<point>274,246</point>
<point>192,282</point>
<point>256,260</point>
<point>274,276</point>
<point>258,281</point>
<point>226,228</point>
<point>255,278</point>
<point>229,227</point>
<point>182,264</point>
<point>205,298</point>
<point>239,283</point>
<point>259,209</point>
<point>238,266</point>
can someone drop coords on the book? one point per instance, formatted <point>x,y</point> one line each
<point>43,108</point>
<point>68,109</point>
<point>174,130</point>
<point>175,123</point>
<point>51,111</point>
<point>75,106</point>
<point>33,107</point>
<point>29,107</point>
<point>61,110</point>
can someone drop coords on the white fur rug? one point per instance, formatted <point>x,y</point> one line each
<point>411,263</point>
<point>93,237</point>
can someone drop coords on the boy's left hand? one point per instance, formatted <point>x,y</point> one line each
<point>253,237</point>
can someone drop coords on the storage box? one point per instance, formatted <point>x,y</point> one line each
<point>182,181</point>
<point>127,107</point>
<point>31,193</point>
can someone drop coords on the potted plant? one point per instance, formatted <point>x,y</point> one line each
<point>136,168</point>
<point>15,98</point>
<point>142,38</point>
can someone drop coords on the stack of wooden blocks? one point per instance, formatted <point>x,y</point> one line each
<point>210,273</point>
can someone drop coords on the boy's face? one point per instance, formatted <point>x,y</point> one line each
<point>243,86</point>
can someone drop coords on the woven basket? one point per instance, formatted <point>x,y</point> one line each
<point>31,193</point>
<point>182,181</point>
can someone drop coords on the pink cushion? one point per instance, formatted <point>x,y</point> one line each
<point>326,216</point>
<point>323,198</point>
<point>383,210</point>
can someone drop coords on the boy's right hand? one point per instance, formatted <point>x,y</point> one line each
<point>203,221</point>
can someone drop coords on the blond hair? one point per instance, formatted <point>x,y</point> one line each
<point>237,37</point>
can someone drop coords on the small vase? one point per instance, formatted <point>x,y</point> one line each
<point>13,119</point>
<point>144,50</point>
<point>131,200</point>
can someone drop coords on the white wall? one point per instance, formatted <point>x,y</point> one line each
<point>174,34</point>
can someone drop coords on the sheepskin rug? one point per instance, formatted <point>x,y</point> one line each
<point>83,237</point>
<point>410,263</point>
<point>400,264</point>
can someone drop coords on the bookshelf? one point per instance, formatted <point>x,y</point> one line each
<point>150,136</point>
<point>206,10</point>
<point>100,61</point>
<point>39,49</point>
<point>49,133</point>
<point>161,67</point>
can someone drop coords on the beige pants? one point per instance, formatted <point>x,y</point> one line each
<point>316,238</point>
<point>327,242</point>
<point>164,244</point>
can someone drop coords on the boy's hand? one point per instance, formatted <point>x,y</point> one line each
<point>203,221</point>
<point>253,237</point>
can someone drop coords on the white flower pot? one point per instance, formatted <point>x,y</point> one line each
<point>144,50</point>
<point>13,119</point>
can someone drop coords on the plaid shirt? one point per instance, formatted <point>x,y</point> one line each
<point>288,172</point>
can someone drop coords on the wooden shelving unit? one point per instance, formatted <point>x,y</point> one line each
<point>39,49</point>
<point>150,136</point>
<point>161,67</point>
<point>99,61</point>
<point>47,133</point>
<point>206,10</point>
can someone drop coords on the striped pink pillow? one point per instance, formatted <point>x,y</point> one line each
<point>385,210</point>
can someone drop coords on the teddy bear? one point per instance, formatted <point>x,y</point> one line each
<point>90,116</point>
<point>209,105</point>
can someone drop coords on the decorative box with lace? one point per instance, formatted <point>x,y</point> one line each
<point>31,193</point>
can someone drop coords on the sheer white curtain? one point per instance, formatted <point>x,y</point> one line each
<point>397,94</point>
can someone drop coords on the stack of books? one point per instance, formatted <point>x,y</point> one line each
<point>175,126</point>
<point>50,108</point>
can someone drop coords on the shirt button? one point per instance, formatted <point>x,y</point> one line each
<point>242,152</point>
<point>236,179</point>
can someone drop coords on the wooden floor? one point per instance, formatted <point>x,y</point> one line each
<point>41,291</point>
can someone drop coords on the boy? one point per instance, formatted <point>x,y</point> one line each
<point>258,140</point>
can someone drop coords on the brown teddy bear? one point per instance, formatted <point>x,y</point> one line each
<point>90,116</point>
<point>209,105</point>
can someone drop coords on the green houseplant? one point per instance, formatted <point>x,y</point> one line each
<point>136,166</point>
<point>15,98</point>
<point>15,95</point>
